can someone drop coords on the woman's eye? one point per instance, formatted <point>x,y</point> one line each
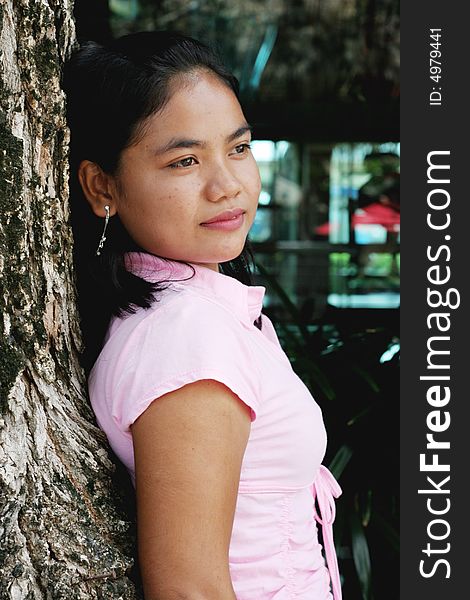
<point>242,148</point>
<point>184,162</point>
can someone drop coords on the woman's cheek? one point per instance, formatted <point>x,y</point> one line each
<point>256,186</point>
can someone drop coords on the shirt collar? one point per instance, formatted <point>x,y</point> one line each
<point>246,301</point>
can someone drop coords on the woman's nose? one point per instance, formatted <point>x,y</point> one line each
<point>222,184</point>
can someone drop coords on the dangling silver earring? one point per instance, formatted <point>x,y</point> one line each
<point>103,238</point>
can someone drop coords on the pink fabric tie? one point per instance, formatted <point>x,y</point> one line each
<point>325,489</point>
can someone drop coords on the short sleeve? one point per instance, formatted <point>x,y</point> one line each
<point>189,339</point>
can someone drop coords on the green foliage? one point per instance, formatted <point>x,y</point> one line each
<point>360,552</point>
<point>300,51</point>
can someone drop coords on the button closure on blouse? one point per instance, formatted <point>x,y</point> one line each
<point>325,489</point>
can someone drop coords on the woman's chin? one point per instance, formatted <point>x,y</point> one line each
<point>227,257</point>
<point>225,254</point>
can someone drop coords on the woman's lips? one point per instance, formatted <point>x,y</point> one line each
<point>228,220</point>
<point>226,224</point>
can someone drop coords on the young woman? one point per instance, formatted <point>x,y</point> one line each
<point>187,378</point>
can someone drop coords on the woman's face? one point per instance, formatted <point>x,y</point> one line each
<point>192,164</point>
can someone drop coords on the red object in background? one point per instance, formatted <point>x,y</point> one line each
<point>375,213</point>
<point>323,229</point>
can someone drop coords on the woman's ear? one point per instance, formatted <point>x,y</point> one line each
<point>97,187</point>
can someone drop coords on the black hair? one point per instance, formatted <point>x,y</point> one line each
<point>111,90</point>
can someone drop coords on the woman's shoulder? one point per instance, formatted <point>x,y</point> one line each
<point>190,336</point>
<point>181,314</point>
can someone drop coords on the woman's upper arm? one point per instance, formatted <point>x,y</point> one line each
<point>188,448</point>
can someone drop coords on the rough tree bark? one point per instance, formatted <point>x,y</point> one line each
<point>63,533</point>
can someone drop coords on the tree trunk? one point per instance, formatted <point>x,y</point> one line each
<point>63,530</point>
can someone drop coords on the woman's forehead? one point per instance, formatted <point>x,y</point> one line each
<point>196,112</point>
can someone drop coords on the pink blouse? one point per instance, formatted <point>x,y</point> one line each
<point>202,328</point>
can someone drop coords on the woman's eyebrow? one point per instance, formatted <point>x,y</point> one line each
<point>190,143</point>
<point>239,132</point>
